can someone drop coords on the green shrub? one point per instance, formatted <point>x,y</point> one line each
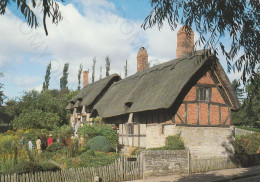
<point>110,134</point>
<point>88,159</point>
<point>88,131</point>
<point>47,166</point>
<point>55,146</point>
<point>99,143</point>
<point>247,144</point>
<point>8,143</point>
<point>63,133</point>
<point>174,143</point>
<point>157,148</point>
<point>25,167</point>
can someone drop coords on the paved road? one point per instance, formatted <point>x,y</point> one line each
<point>237,174</point>
<point>250,179</point>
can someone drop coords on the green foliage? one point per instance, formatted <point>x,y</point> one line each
<point>247,144</point>
<point>8,143</point>
<point>46,82</point>
<point>51,103</point>
<point>64,78</point>
<point>49,9</point>
<point>174,143</point>
<point>158,148</point>
<point>35,118</point>
<point>249,114</point>
<point>47,166</point>
<point>99,143</point>
<point>2,96</point>
<point>63,133</point>
<point>249,128</point>
<point>88,159</point>
<point>125,67</point>
<point>88,131</point>
<point>93,69</point>
<point>79,75</point>
<point>25,167</point>
<point>55,147</point>
<point>108,61</point>
<point>110,134</point>
<point>239,91</point>
<point>211,19</point>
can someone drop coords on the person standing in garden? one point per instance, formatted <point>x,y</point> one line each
<point>49,141</point>
<point>30,144</point>
<point>38,145</point>
<point>22,140</point>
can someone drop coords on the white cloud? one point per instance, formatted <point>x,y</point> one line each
<point>93,28</point>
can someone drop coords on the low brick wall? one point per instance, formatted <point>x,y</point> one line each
<point>165,162</point>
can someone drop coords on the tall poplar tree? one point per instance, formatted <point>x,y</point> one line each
<point>108,61</point>
<point>93,69</point>
<point>46,82</point>
<point>79,75</point>
<point>64,78</point>
<point>1,92</point>
<point>125,67</point>
<point>100,77</point>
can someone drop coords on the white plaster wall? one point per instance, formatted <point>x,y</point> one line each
<point>201,141</point>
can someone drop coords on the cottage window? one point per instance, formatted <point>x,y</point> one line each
<point>84,119</point>
<point>203,94</point>
<point>130,129</point>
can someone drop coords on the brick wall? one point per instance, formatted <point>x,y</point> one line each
<point>165,162</point>
<point>142,59</point>
<point>213,112</point>
<point>185,44</point>
<point>85,78</point>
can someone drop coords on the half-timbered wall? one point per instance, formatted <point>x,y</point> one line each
<point>205,104</point>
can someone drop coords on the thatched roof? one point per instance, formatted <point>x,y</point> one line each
<point>158,87</point>
<point>92,92</point>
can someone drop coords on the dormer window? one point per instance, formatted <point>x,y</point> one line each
<point>203,94</point>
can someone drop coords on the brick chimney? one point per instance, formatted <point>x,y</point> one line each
<point>185,43</point>
<point>142,59</point>
<point>85,78</point>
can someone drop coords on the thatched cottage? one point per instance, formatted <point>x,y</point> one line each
<point>82,104</point>
<point>190,95</point>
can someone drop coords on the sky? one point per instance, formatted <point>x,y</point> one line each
<point>90,28</point>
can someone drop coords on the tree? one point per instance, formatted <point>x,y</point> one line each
<point>239,91</point>
<point>49,8</point>
<point>2,96</point>
<point>32,118</point>
<point>64,78</point>
<point>46,82</point>
<point>249,112</point>
<point>79,74</point>
<point>108,61</point>
<point>213,19</point>
<point>100,77</point>
<point>125,68</point>
<point>93,69</point>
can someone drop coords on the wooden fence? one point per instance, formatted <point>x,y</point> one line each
<point>123,169</point>
<point>198,165</point>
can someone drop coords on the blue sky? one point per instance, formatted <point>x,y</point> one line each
<point>90,28</point>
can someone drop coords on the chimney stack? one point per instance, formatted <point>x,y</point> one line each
<point>142,59</point>
<point>185,43</point>
<point>85,78</point>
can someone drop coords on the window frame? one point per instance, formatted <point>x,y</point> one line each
<point>206,93</point>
